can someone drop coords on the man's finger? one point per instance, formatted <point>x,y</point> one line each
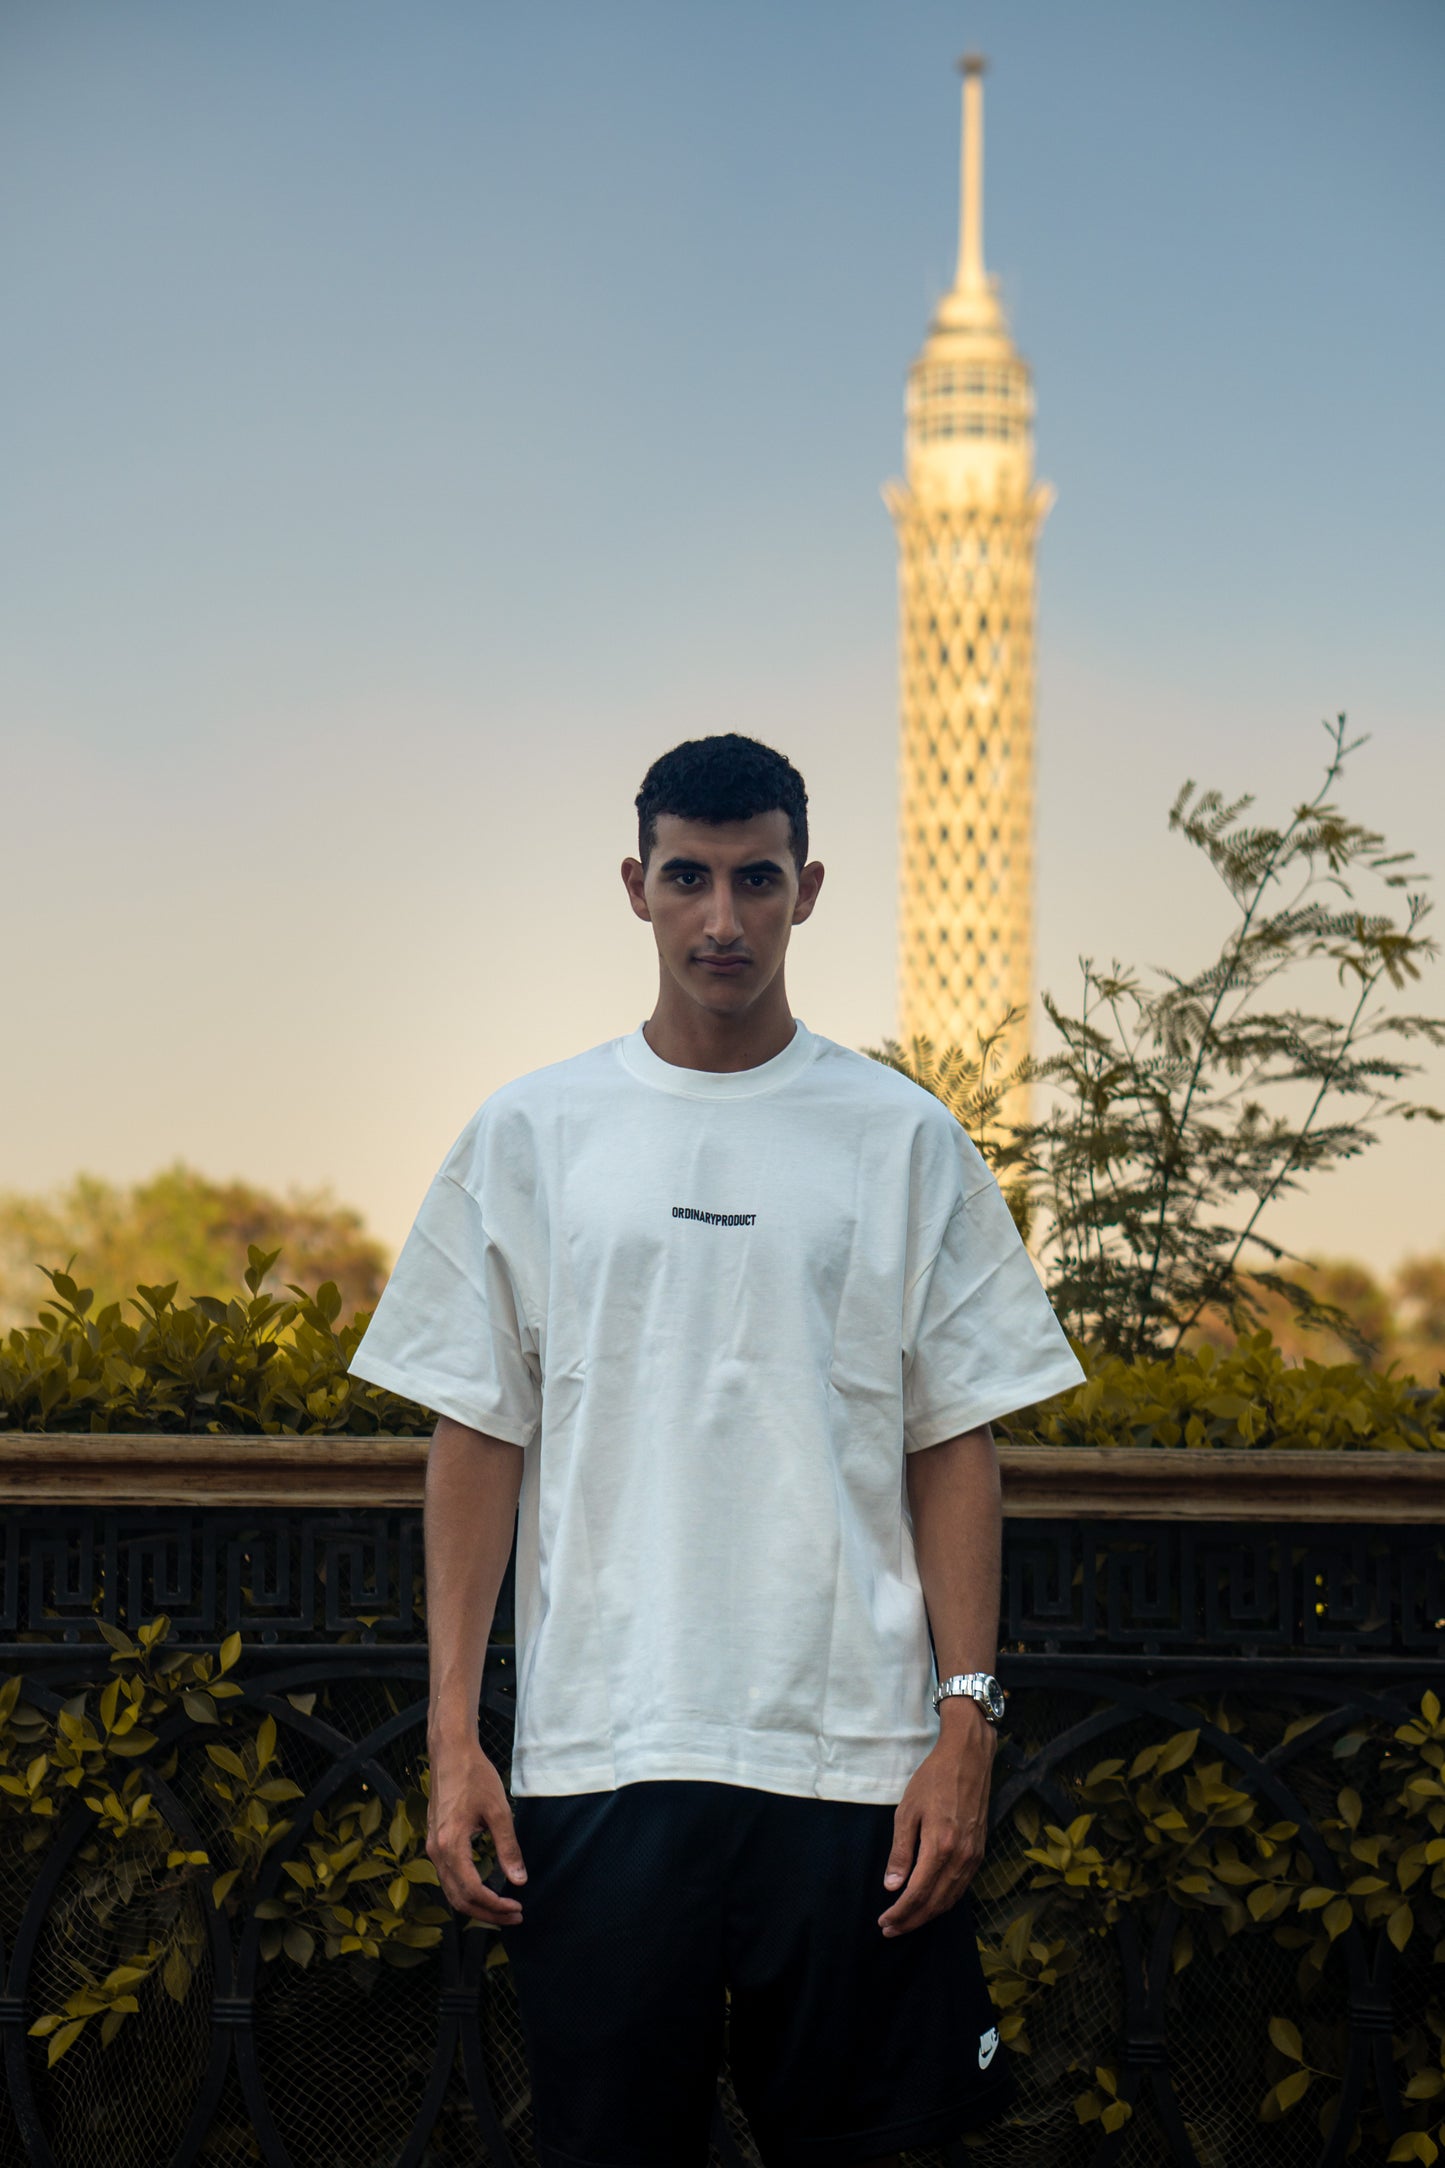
<point>504,1841</point>
<point>905,1841</point>
<point>465,1891</point>
<point>918,1892</point>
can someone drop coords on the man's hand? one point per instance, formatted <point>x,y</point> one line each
<point>944,1814</point>
<point>467,1794</point>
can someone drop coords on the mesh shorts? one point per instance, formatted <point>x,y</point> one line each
<point>665,1921</point>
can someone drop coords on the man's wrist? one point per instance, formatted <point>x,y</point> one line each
<point>962,1721</point>
<point>449,1733</point>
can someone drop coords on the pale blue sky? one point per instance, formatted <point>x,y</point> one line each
<point>418,417</point>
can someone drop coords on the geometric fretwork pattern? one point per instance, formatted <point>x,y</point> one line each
<point>966,581</point>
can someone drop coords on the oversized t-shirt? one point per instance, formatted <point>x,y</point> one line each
<point>718,1311</point>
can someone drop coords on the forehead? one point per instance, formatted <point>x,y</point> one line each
<point>723,843</point>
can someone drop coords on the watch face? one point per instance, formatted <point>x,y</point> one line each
<point>996,1702</point>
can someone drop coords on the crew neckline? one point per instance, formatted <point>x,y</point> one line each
<point>669,1076</point>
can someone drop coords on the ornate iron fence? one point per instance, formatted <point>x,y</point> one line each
<point>1117,1632</point>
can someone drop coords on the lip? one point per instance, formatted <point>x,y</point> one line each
<point>722,963</point>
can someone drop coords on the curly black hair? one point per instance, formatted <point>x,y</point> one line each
<point>726,778</point>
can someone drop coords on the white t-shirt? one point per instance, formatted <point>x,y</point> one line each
<point>717,1310</point>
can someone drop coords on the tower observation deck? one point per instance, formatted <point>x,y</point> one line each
<point>967,515</point>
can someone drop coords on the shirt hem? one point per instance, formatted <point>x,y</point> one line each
<point>546,1776</point>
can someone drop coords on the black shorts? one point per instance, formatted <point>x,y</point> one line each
<point>643,1904</point>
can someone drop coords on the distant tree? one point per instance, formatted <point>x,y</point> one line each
<point>1395,1328</point>
<point>180,1225</point>
<point>1143,1176</point>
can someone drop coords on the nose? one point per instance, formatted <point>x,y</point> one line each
<point>722,919</point>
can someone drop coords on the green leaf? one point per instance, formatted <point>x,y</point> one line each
<point>176,1974</point>
<point>1400,1925</point>
<point>1285,2035</point>
<point>60,2041</point>
<point>1337,1917</point>
<point>1414,2145</point>
<point>1293,2088</point>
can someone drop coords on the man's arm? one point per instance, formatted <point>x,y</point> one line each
<point>955,1499</point>
<point>472,1485</point>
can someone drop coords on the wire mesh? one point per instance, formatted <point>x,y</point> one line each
<point>99,2101</point>
<point>504,2057</point>
<point>230,2141</point>
<point>345,2052</point>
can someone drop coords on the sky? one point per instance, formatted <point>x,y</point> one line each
<point>418,418</point>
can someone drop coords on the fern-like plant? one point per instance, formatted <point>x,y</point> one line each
<point>1153,1171</point>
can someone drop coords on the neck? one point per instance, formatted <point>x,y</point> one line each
<point>691,1037</point>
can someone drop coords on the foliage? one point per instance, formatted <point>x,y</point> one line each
<point>1162,1128</point>
<point>1177,1825</point>
<point>261,1365</point>
<point>180,1225</point>
<point>360,1891</point>
<point>1399,1318</point>
<point>1249,1397</point>
<point>1173,1833</point>
<point>258,1364</point>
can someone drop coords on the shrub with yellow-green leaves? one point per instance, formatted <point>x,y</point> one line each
<point>358,1887</point>
<point>258,1364</point>
<point>1177,1823</point>
<point>1248,1397</point>
<point>245,1364</point>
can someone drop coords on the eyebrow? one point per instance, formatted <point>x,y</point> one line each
<point>695,865</point>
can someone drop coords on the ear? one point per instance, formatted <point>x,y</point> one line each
<point>633,878</point>
<point>810,880</point>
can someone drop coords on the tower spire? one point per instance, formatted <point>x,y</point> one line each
<point>971,277</point>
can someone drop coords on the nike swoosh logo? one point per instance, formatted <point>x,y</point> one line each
<point>987,2048</point>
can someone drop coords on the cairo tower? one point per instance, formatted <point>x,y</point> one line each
<point>968,516</point>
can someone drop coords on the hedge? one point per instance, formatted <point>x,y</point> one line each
<point>266,1365</point>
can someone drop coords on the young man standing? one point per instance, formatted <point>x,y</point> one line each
<point>725,1310</point>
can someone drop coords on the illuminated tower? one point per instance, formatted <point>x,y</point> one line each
<point>968,515</point>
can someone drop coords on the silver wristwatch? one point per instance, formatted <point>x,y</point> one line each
<point>979,1686</point>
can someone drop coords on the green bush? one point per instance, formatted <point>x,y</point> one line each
<point>256,1364</point>
<point>1250,1397</point>
<point>266,1366</point>
<point>1174,1832</point>
<point>360,1888</point>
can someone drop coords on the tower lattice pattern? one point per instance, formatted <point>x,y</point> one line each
<point>966,591</point>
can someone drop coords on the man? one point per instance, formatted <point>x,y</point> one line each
<point>725,1310</point>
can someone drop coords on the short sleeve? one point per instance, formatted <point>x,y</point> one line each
<point>980,1335</point>
<point>450,1330</point>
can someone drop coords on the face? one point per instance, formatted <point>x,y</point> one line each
<point>722,899</point>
